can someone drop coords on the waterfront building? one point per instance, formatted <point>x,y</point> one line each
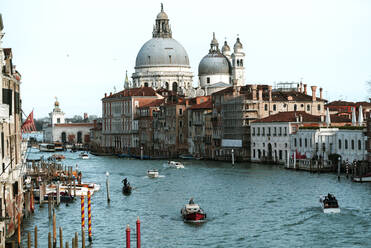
<point>170,128</point>
<point>58,130</point>
<point>200,129</point>
<point>119,126</point>
<point>162,62</point>
<point>270,136</point>
<point>348,142</point>
<point>234,108</point>
<point>96,136</point>
<point>11,146</point>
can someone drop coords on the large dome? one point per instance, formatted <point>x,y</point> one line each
<point>214,63</point>
<point>162,52</point>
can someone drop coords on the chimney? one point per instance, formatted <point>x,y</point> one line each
<point>270,92</point>
<point>254,86</point>
<point>314,88</point>
<point>320,93</point>
<point>301,87</point>
<point>260,95</point>
<point>305,89</point>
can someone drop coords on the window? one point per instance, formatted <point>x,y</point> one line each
<point>352,144</point>
<point>180,111</point>
<point>15,189</point>
<point>346,144</point>
<point>7,98</point>
<point>302,105</point>
<point>275,131</point>
<point>180,124</point>
<point>207,80</point>
<point>274,107</point>
<point>58,120</point>
<point>339,144</point>
<point>305,142</point>
<point>263,131</point>
<point>280,154</point>
<point>308,107</point>
<point>269,131</point>
<point>145,84</point>
<point>295,107</point>
<point>2,145</point>
<point>319,107</point>
<point>266,107</point>
<point>295,142</point>
<point>253,152</point>
<point>359,145</point>
<point>280,131</point>
<point>285,131</point>
<point>253,131</point>
<point>258,131</point>
<point>285,145</point>
<point>300,143</point>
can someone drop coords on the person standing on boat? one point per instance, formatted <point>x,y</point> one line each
<point>125,181</point>
<point>191,201</point>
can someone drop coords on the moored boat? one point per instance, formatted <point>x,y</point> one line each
<point>84,155</point>
<point>193,213</point>
<point>46,147</point>
<point>152,173</point>
<point>361,179</point>
<point>329,204</point>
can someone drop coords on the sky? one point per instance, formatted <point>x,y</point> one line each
<point>77,50</point>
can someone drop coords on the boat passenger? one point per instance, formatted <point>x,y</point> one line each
<point>125,181</point>
<point>191,201</point>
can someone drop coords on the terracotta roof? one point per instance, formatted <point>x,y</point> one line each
<point>276,95</point>
<point>143,91</point>
<point>339,103</point>
<point>154,103</point>
<point>74,125</point>
<point>204,105</point>
<point>339,119</point>
<point>290,116</point>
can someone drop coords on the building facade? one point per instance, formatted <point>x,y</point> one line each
<point>12,148</point>
<point>60,131</point>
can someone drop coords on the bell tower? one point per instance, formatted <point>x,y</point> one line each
<point>238,60</point>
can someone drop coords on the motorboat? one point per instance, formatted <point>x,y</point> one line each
<point>174,164</point>
<point>193,213</point>
<point>84,155</point>
<point>152,173</point>
<point>56,157</point>
<point>361,179</point>
<point>329,204</point>
<point>46,147</point>
<point>58,146</point>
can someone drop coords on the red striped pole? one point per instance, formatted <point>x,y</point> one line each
<point>128,236</point>
<point>138,233</point>
<point>82,212</point>
<point>31,202</point>
<point>89,216</point>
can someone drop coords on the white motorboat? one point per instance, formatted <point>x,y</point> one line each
<point>193,213</point>
<point>84,155</point>
<point>329,204</point>
<point>174,164</point>
<point>361,179</point>
<point>152,173</point>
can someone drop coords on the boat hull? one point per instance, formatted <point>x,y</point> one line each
<point>193,217</point>
<point>126,190</point>
<point>331,210</point>
<point>362,179</point>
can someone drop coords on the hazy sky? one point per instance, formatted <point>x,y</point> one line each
<point>79,49</point>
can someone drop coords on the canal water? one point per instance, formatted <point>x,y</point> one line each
<point>247,205</point>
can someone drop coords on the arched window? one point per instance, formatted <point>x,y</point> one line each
<point>241,63</point>
<point>175,86</point>
<point>300,143</point>
<point>295,142</point>
<point>359,145</point>
<point>274,107</point>
<point>319,107</point>
<point>352,144</point>
<point>167,85</point>
<point>238,62</point>
<point>308,107</point>
<point>266,107</point>
<point>305,142</point>
<point>145,84</point>
<point>295,107</point>
<point>207,80</point>
<point>346,144</point>
<point>339,144</point>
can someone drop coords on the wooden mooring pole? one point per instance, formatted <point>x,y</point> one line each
<point>107,187</point>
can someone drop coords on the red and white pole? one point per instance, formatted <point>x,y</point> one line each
<point>138,233</point>
<point>82,212</point>
<point>128,236</point>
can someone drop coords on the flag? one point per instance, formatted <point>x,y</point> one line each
<point>28,125</point>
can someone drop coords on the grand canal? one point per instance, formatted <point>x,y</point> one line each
<point>247,205</point>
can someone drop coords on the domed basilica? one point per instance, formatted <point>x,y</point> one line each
<point>163,63</point>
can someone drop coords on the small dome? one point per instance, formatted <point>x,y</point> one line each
<point>162,16</point>
<point>237,45</point>
<point>56,104</point>
<point>160,52</point>
<point>214,63</point>
<point>225,47</point>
